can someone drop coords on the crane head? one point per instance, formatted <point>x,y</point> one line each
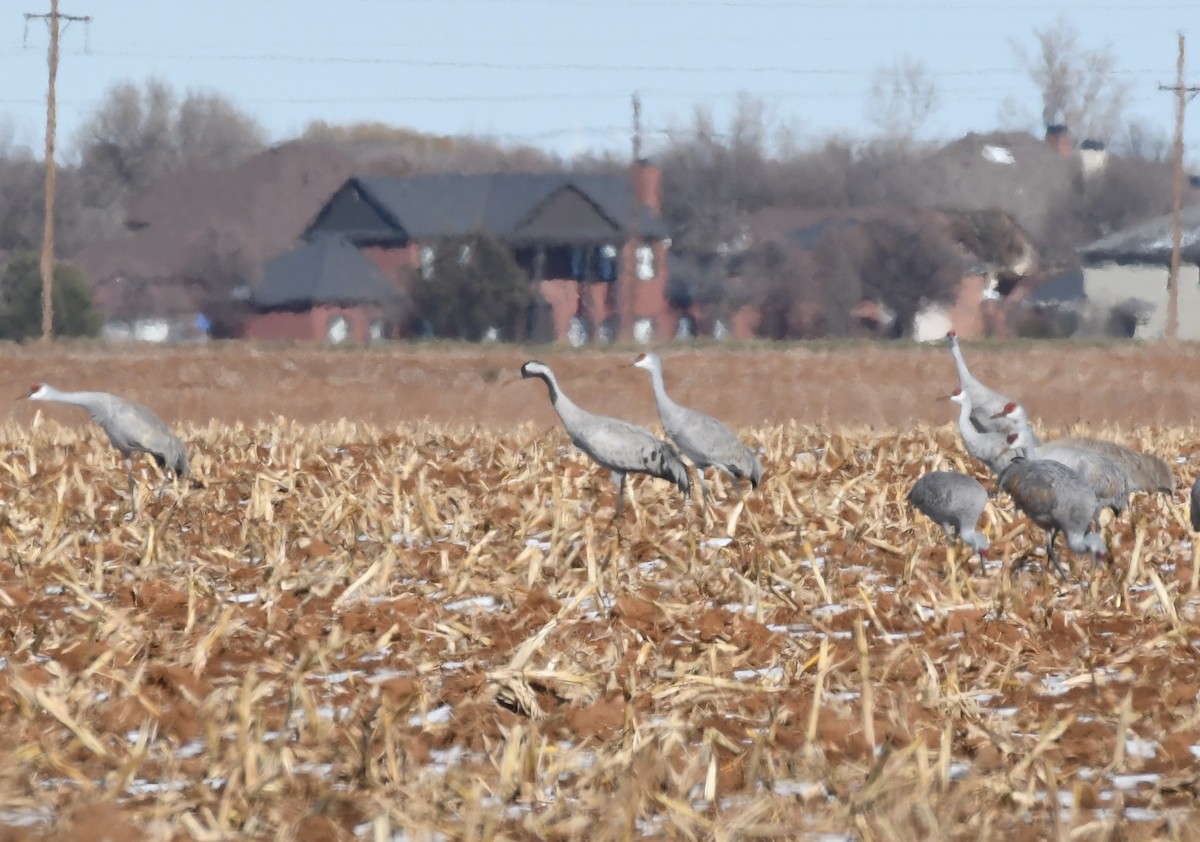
<point>952,335</point>
<point>1010,408</point>
<point>958,396</point>
<point>646,361</point>
<point>535,368</point>
<point>36,392</point>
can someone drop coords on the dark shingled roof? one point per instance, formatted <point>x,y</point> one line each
<point>429,206</point>
<point>1065,287</point>
<point>327,270</point>
<point>1148,242</point>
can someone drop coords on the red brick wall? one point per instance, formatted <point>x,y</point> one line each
<point>310,325</point>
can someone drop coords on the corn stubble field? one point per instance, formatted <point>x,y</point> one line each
<point>430,631</point>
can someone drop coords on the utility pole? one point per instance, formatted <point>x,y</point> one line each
<point>630,278</point>
<point>53,19</point>
<point>1182,95</point>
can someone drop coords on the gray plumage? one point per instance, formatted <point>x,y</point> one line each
<point>621,447</point>
<point>131,427</point>
<point>985,402</point>
<point>1143,471</point>
<point>1058,500</point>
<point>955,502</point>
<point>1104,476</point>
<point>1146,472</point>
<point>1194,511</point>
<point>701,438</point>
<point>992,449</point>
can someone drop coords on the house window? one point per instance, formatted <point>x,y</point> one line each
<point>643,330</point>
<point>464,254</point>
<point>606,263</point>
<point>577,332</point>
<point>608,330</point>
<point>578,264</point>
<point>685,328</point>
<point>428,256</point>
<point>720,329</point>
<point>492,334</point>
<point>377,330</point>
<point>338,330</point>
<point>645,262</point>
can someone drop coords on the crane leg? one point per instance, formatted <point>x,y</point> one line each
<point>618,479</point>
<point>1050,536</point>
<point>703,495</point>
<point>132,488</point>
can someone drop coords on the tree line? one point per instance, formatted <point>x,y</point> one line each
<point>716,175</point>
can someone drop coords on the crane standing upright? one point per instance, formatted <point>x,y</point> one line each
<point>702,439</point>
<point>985,402</point>
<point>131,427</point>
<point>621,447</point>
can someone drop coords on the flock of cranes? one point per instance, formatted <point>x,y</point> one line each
<point>1062,485</point>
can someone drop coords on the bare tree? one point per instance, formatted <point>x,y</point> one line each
<point>1078,85</point>
<point>902,97</point>
<point>137,135</point>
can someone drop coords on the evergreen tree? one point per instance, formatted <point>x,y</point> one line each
<point>21,300</point>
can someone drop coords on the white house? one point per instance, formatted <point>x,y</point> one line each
<point>1126,274</point>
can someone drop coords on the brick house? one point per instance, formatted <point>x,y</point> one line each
<point>570,232</point>
<point>324,289</point>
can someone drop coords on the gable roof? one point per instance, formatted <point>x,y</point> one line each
<point>327,270</point>
<point>1010,171</point>
<point>429,206</point>
<point>1148,242</point>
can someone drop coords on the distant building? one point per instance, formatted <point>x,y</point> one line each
<point>570,232</point>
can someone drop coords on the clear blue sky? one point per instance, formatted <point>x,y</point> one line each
<point>559,73</point>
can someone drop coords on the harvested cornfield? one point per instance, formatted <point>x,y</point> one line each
<point>430,632</point>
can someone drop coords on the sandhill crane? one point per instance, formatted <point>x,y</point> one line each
<point>1195,507</point>
<point>955,502</point>
<point>1143,471</point>
<point>131,427</point>
<point>1057,499</point>
<point>992,449</point>
<point>621,447</point>
<point>1105,477</point>
<point>701,438</point>
<point>985,402</point>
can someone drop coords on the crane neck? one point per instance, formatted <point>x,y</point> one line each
<point>563,405</point>
<point>660,389</point>
<point>960,363</point>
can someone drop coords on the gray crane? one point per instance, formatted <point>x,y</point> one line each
<point>985,402</point>
<point>955,502</point>
<point>992,449</point>
<point>131,427</point>
<point>1194,512</point>
<point>701,438</point>
<point>621,447</point>
<point>1143,471</point>
<point>1058,500</point>
<point>1106,478</point>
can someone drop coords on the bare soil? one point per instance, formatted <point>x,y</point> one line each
<point>886,385</point>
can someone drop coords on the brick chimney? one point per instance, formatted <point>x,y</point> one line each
<point>1058,138</point>
<point>648,184</point>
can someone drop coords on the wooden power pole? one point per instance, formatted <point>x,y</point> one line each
<point>630,278</point>
<point>1182,95</point>
<point>53,18</point>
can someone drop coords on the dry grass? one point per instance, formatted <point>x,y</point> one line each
<point>428,632</point>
